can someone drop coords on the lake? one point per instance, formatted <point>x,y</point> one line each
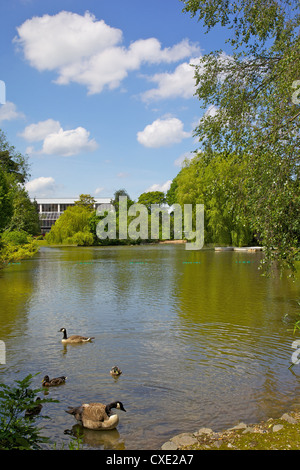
<point>202,338</point>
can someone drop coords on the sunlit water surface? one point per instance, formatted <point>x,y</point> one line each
<point>201,337</point>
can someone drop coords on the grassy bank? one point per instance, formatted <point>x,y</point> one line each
<point>274,434</point>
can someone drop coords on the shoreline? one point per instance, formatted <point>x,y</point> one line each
<point>272,434</point>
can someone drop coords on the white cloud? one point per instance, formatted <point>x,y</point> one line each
<point>162,132</point>
<point>52,42</point>
<point>179,161</point>
<point>42,186</point>
<point>211,111</point>
<point>98,190</point>
<point>180,83</point>
<point>37,132</point>
<point>160,187</point>
<point>56,140</point>
<point>8,112</point>
<point>67,143</point>
<point>87,51</point>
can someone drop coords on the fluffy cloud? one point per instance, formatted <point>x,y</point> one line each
<point>8,112</point>
<point>67,143</point>
<point>98,190</point>
<point>42,186</point>
<point>57,141</point>
<point>84,50</point>
<point>186,156</point>
<point>160,187</point>
<point>37,132</point>
<point>162,133</point>
<point>170,85</point>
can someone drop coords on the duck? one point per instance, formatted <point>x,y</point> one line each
<point>97,416</point>
<point>115,371</point>
<point>34,410</point>
<point>74,338</point>
<point>47,382</point>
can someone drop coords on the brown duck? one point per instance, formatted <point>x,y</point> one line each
<point>47,382</point>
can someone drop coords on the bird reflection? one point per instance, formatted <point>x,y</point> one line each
<point>104,439</point>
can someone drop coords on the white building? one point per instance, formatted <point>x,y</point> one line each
<point>50,209</point>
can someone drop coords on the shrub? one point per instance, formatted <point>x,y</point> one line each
<point>16,430</point>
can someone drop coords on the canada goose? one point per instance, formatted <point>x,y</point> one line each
<point>46,382</point>
<point>74,338</point>
<point>115,371</point>
<point>96,415</point>
<point>35,410</point>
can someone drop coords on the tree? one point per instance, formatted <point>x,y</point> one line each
<point>16,245</point>
<point>6,206</point>
<point>152,197</point>
<point>115,200</point>
<point>13,162</point>
<point>86,200</point>
<point>213,181</point>
<point>25,214</point>
<point>72,227</point>
<point>251,99</point>
<point>171,193</point>
<point>18,215</point>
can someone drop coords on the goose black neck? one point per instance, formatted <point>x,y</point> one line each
<point>65,334</point>
<point>109,407</point>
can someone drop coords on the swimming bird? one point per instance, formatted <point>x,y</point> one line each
<point>35,410</point>
<point>74,338</point>
<point>46,382</point>
<point>97,416</point>
<point>115,371</point>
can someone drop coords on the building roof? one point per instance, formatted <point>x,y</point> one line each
<point>68,200</point>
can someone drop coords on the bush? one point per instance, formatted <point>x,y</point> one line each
<point>15,237</point>
<point>81,239</point>
<point>16,430</point>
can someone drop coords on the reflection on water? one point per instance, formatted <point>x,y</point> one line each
<point>106,440</point>
<point>202,339</point>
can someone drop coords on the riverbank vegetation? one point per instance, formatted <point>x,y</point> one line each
<point>250,96</point>
<point>19,221</point>
<point>78,224</point>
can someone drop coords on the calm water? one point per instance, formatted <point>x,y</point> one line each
<point>201,337</point>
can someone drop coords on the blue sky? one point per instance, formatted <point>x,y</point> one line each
<point>100,95</point>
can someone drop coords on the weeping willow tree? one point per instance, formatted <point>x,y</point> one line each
<point>252,92</point>
<point>209,180</point>
<point>72,227</point>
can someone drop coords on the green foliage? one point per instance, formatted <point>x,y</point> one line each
<point>17,237</point>
<point>16,430</point>
<point>75,219</point>
<point>152,197</point>
<point>213,181</point>
<point>25,214</point>
<point>254,114</point>
<point>12,162</point>
<point>6,206</point>
<point>16,245</point>
<point>18,214</point>
<point>115,200</point>
<point>81,239</point>
<point>86,200</point>
<point>171,193</point>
